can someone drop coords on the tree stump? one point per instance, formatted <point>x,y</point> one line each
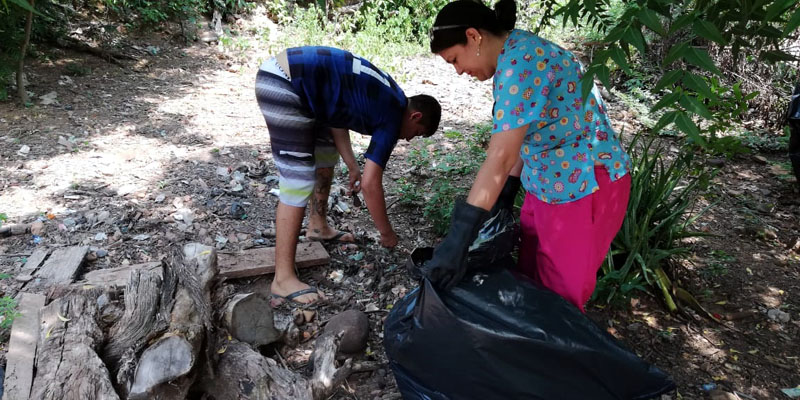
<point>249,319</point>
<point>67,366</point>
<point>166,369</point>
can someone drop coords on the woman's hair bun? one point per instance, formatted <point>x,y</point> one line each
<point>506,13</point>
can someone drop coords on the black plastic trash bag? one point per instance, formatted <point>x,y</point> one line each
<point>498,336</point>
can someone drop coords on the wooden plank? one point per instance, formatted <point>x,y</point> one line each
<point>118,277</point>
<point>22,347</point>
<point>34,261</point>
<point>261,261</point>
<point>63,265</point>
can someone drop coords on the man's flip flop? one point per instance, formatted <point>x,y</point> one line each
<point>335,238</point>
<point>289,298</point>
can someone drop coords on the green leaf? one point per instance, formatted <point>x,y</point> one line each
<point>25,6</point>
<point>777,8</point>
<point>680,23</point>
<point>698,84</point>
<point>666,119</point>
<point>692,104</point>
<point>619,58</point>
<point>794,23</point>
<point>666,101</point>
<point>687,126</point>
<point>709,31</point>
<point>650,19</point>
<point>616,33</point>
<point>587,83</point>
<point>634,37</point>
<point>677,51</point>
<point>775,56</point>
<point>602,74</point>
<point>700,58</point>
<point>668,79</point>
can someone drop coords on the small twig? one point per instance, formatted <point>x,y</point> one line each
<point>15,255</point>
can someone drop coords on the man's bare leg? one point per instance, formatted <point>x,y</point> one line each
<point>318,227</point>
<point>287,228</point>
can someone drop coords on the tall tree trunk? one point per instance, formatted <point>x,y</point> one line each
<point>23,95</point>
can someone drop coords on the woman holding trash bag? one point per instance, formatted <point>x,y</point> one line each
<point>573,169</point>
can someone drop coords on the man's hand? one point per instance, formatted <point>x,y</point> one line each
<point>389,240</point>
<point>355,180</point>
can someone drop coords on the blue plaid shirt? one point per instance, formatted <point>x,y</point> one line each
<point>346,91</point>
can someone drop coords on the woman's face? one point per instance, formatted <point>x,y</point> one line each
<point>465,58</point>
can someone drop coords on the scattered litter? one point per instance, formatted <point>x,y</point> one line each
<point>141,237</point>
<point>358,256</point>
<point>709,386</point>
<point>271,179</point>
<point>69,222</point>
<point>478,279</point>
<point>37,239</point>
<point>342,207</point>
<point>49,98</point>
<point>160,197</point>
<point>101,253</point>
<point>238,176</point>
<point>236,186</point>
<point>336,276</point>
<point>100,236</point>
<point>371,307</point>
<point>237,210</point>
<point>64,142</point>
<point>275,192</point>
<point>223,172</point>
<point>792,392</point>
<point>185,215</point>
<point>24,150</point>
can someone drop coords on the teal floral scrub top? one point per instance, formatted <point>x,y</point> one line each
<point>538,83</point>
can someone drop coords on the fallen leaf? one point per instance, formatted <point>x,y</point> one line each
<point>63,319</point>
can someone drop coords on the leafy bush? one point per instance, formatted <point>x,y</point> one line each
<point>662,207</point>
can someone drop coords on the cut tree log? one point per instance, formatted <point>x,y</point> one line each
<point>261,261</point>
<point>11,230</point>
<point>166,369</point>
<point>119,277</point>
<point>140,322</point>
<point>67,366</point>
<point>22,347</point>
<point>248,317</point>
<point>243,373</point>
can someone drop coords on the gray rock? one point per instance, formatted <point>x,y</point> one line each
<point>778,315</point>
<point>355,326</point>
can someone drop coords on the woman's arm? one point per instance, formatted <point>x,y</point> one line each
<point>501,158</point>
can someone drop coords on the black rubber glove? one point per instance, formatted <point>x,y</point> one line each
<point>449,262</point>
<point>507,195</point>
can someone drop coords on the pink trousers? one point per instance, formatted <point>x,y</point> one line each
<point>563,245</point>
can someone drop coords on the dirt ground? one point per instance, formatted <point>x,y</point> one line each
<point>132,160</point>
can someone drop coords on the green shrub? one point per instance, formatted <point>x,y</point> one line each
<point>662,207</point>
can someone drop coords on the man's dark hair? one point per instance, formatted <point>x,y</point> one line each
<point>453,20</point>
<point>430,109</point>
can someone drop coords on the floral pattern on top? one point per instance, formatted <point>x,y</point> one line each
<point>537,83</point>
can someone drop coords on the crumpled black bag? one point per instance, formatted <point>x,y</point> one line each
<point>498,336</point>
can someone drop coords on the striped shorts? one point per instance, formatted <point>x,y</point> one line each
<point>299,144</point>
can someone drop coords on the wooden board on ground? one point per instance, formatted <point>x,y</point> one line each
<point>63,265</point>
<point>119,277</point>
<point>34,261</point>
<point>22,347</point>
<point>262,260</point>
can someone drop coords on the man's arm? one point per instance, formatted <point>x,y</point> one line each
<point>341,139</point>
<point>373,194</point>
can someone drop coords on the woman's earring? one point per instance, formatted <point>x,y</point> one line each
<point>479,52</point>
<point>480,38</point>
